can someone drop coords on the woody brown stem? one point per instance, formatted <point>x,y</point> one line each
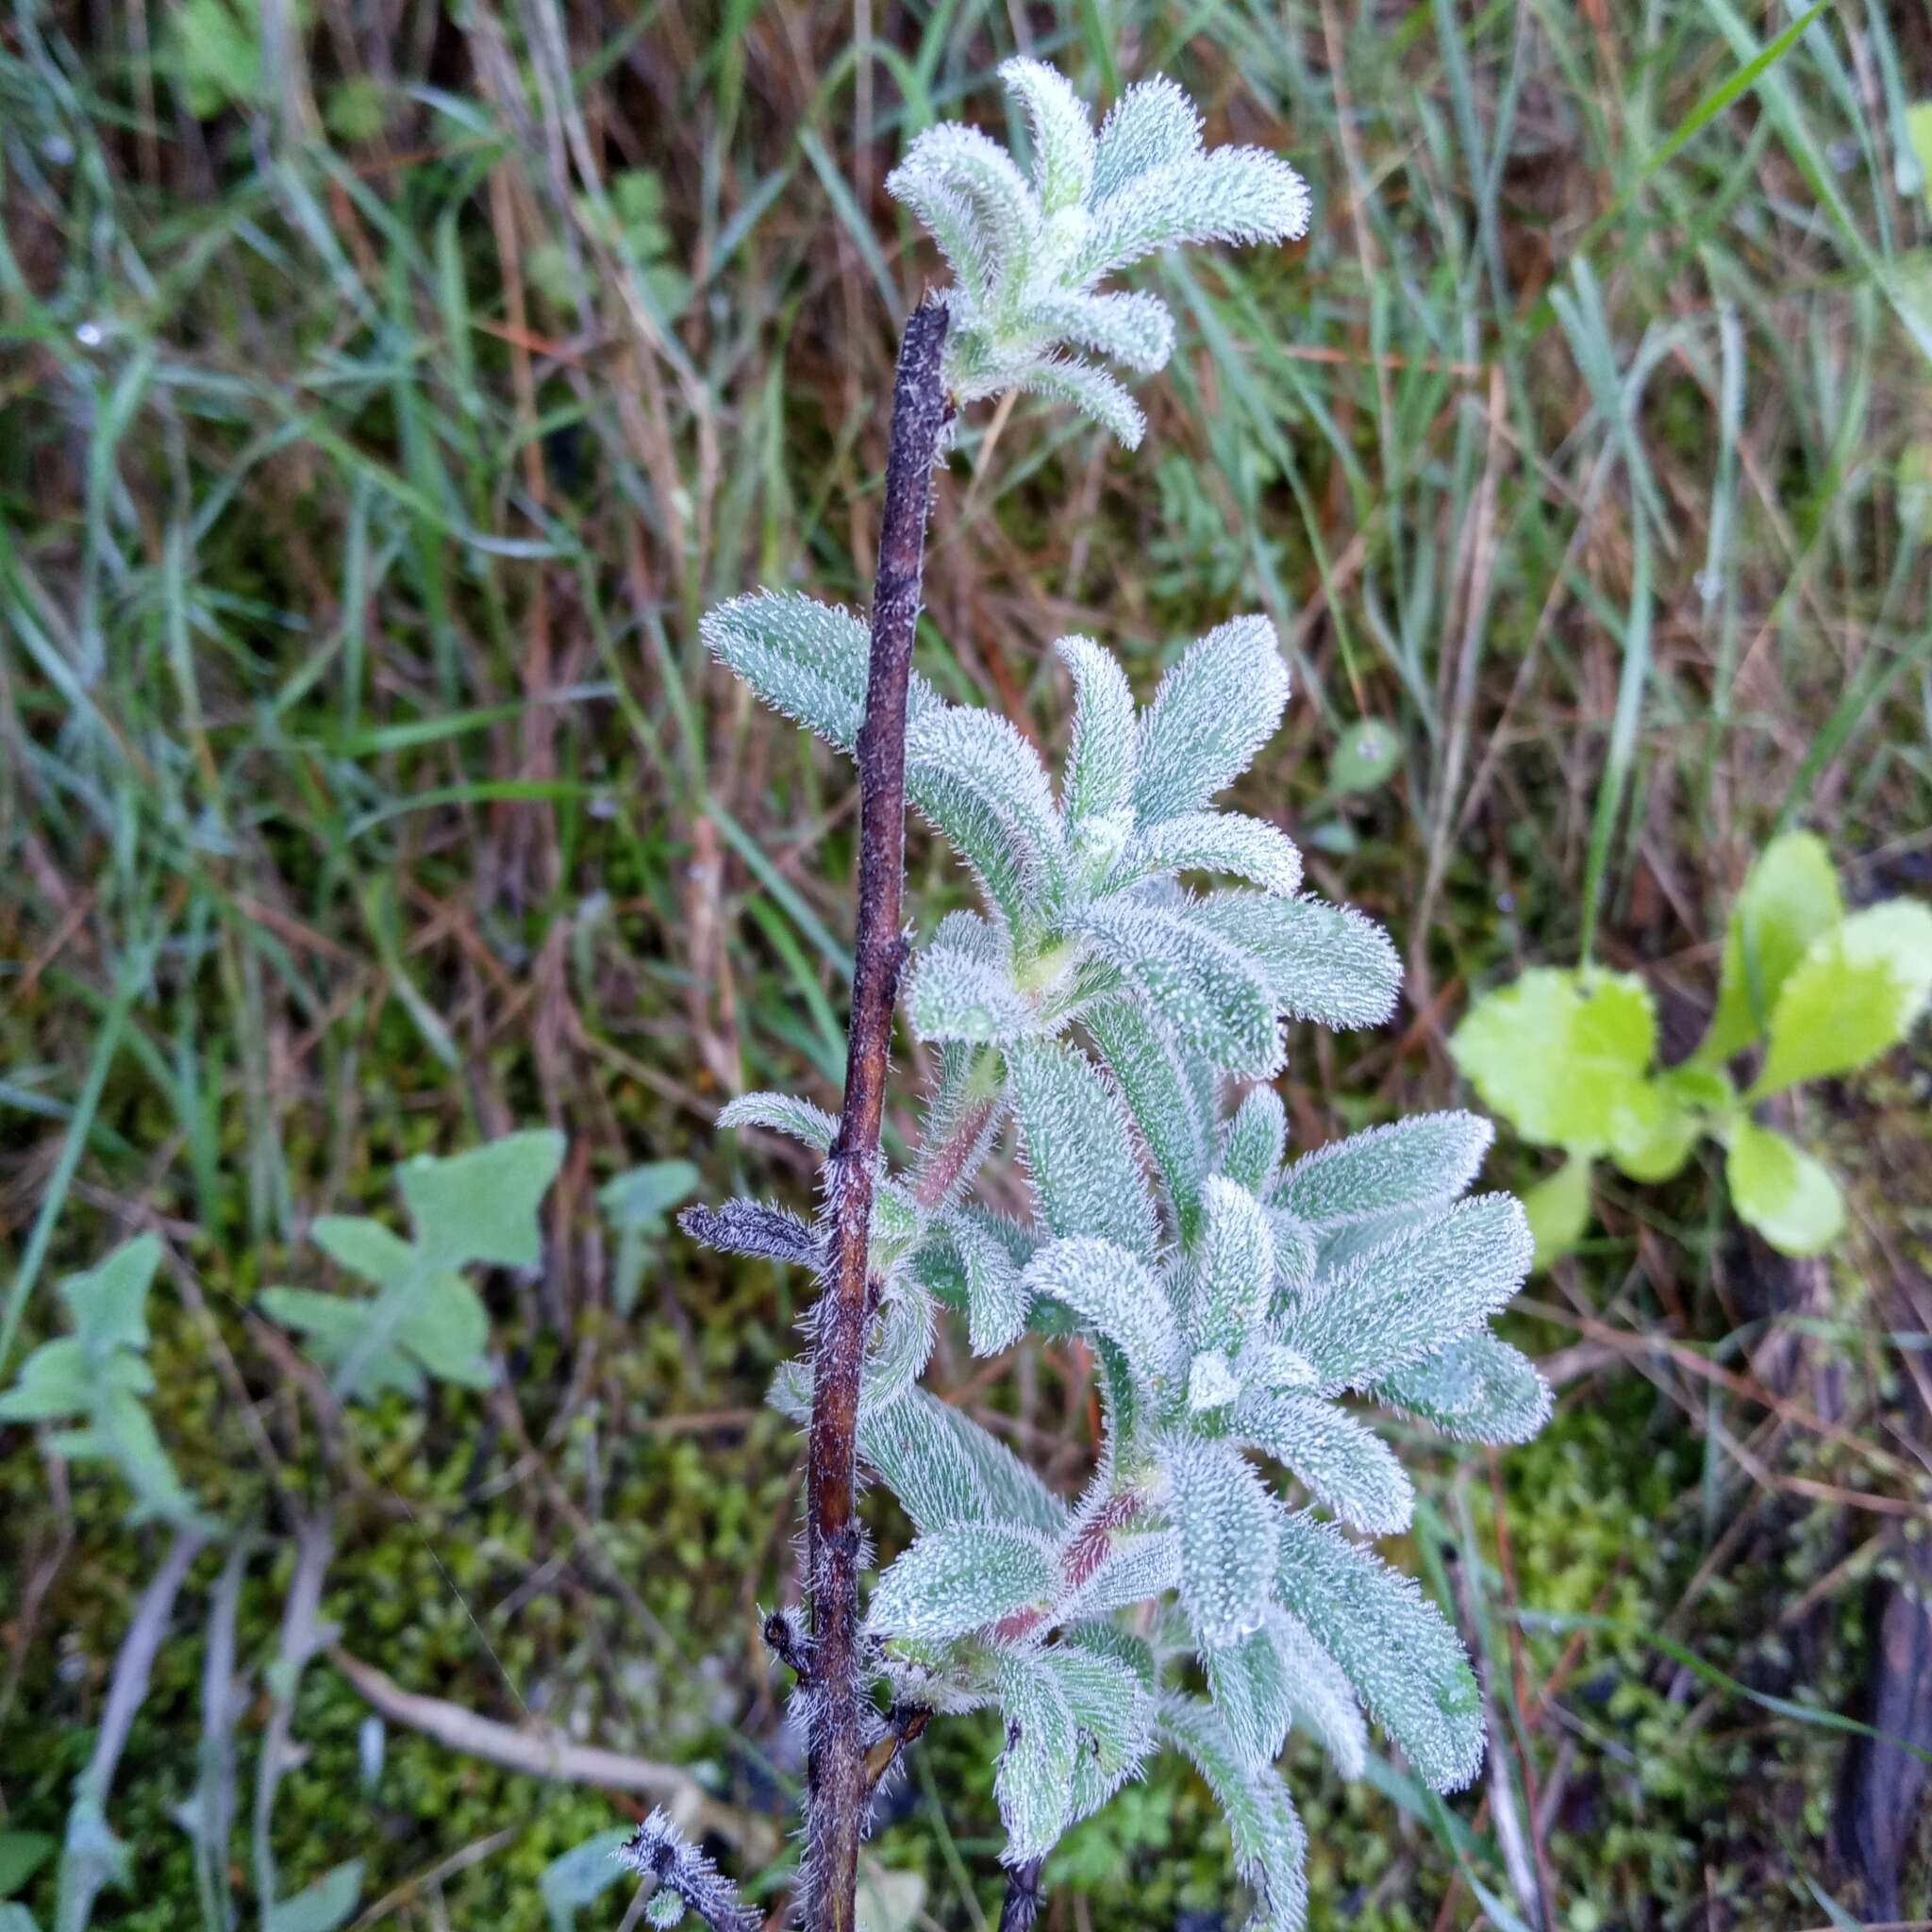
<point>836,1769</point>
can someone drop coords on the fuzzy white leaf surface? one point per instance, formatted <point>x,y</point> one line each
<point>961,1578</point>
<point>1423,1162</point>
<point>1405,1662</point>
<point>1478,1390</point>
<point>1347,1467</point>
<point>1229,1531</point>
<point>1412,1295</point>
<point>1079,1153</point>
<point>1213,712</point>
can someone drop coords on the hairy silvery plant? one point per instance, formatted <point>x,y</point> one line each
<point>1231,1297</point>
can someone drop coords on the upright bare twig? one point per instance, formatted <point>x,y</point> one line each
<point>836,1777</point>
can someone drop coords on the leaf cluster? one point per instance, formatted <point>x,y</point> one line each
<point>1028,252</point>
<point>1568,1058</point>
<point>1240,1303</point>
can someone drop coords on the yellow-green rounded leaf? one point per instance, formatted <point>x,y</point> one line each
<point>1563,1056</point>
<point>1856,992</point>
<point>1558,1209</point>
<point>1790,898</point>
<point>1782,1192</point>
<point>1654,1139</point>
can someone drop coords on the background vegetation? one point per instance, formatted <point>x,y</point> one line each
<point>387,391</point>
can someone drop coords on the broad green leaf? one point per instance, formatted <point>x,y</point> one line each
<point>1366,755</point>
<point>1558,1208</point>
<point>364,1246</point>
<point>322,1907</point>
<point>1790,897</point>
<point>1856,994</point>
<point>447,1329</point>
<point>1787,1195</point>
<point>108,1303</point>
<point>643,1196</point>
<point>336,1327</point>
<point>1562,1055</point>
<point>1655,1138</point>
<point>481,1205</point>
<point>55,1380</point>
<point>582,1875</point>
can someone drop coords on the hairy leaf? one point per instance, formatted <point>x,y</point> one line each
<point>1113,1722</point>
<point>1269,1846</point>
<point>1323,962</point>
<point>1344,1466</point>
<point>957,161</point>
<point>1233,1269</point>
<point>1153,124</point>
<point>1035,1780</point>
<point>1205,991</point>
<point>1477,1389</point>
<point>783,1113</point>
<point>1423,1162</point>
<point>996,1291</point>
<point>805,659</point>
<point>1250,1686</point>
<point>1228,1530</point>
<point>1079,1152</point>
<point>1062,130</point>
<point>1213,711</point>
<point>1401,1656</point>
<point>1321,1698</point>
<point>755,1229</point>
<point>1227,195</point>
<point>982,784</point>
<point>1088,389</point>
<point>1254,1140</point>
<point>961,1578</point>
<point>1223,841</point>
<point>1099,760</point>
<point>1412,1295</point>
<point>1165,1101</point>
<point>961,994</point>
<point>1114,1295</point>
